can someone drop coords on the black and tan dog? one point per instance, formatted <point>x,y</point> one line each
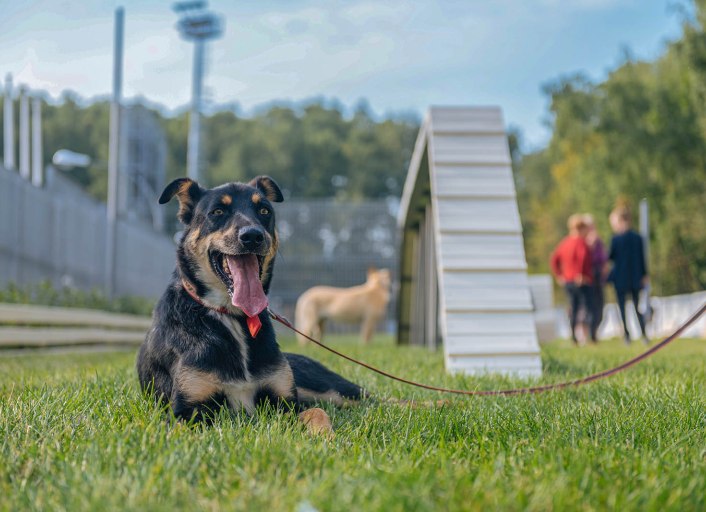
<point>212,343</point>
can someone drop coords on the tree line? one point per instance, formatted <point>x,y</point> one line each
<point>640,133</point>
<point>313,150</point>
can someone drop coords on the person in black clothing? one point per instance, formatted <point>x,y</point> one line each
<point>629,271</point>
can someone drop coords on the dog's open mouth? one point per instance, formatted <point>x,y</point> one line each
<point>241,275</point>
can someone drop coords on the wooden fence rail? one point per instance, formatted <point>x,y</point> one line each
<point>28,326</point>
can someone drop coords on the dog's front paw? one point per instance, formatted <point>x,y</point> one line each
<point>317,422</point>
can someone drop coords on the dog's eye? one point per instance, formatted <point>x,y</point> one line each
<point>217,211</point>
<point>264,211</point>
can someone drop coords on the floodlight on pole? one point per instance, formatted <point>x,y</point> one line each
<point>65,159</point>
<point>198,25</point>
<point>113,153</point>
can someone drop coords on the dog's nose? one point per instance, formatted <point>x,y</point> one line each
<point>251,237</point>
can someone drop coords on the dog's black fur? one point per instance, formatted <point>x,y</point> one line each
<point>199,355</point>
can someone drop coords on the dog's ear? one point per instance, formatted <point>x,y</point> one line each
<point>268,187</point>
<point>188,193</point>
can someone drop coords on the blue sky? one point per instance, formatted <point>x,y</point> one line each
<point>401,55</point>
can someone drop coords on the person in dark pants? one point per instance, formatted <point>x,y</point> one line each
<point>629,271</point>
<point>599,258</point>
<point>572,267</point>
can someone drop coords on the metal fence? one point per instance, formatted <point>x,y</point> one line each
<point>57,233</point>
<point>331,243</point>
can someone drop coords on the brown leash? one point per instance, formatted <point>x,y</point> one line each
<point>518,391</point>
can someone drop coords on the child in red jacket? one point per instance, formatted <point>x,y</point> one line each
<point>571,265</point>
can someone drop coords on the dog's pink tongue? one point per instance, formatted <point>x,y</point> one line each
<point>248,294</point>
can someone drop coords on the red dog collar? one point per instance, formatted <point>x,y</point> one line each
<point>254,322</point>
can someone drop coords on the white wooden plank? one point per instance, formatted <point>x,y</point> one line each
<point>465,344</point>
<point>495,301</point>
<point>490,323</point>
<point>473,119</point>
<point>461,251</point>
<point>473,181</point>
<point>462,281</point>
<point>480,216</point>
<point>470,149</point>
<point>484,291</point>
<point>479,244</point>
<point>520,363</point>
<point>522,373</point>
<point>481,361</point>
<point>13,337</point>
<point>413,174</point>
<point>483,264</point>
<point>26,314</point>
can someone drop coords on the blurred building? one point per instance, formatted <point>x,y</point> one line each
<point>53,231</point>
<point>143,154</point>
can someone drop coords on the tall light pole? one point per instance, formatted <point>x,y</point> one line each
<point>198,25</point>
<point>113,152</point>
<point>9,130</point>
<point>37,150</point>
<point>25,170</point>
<point>645,232</point>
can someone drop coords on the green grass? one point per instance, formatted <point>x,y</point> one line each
<point>45,294</point>
<point>76,434</point>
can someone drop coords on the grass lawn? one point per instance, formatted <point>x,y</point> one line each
<point>76,434</point>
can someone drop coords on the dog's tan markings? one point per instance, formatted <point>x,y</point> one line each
<point>267,187</point>
<point>184,187</point>
<point>269,257</point>
<point>184,197</point>
<point>241,395</point>
<point>197,386</point>
<point>307,395</point>
<point>192,238</point>
<point>226,199</point>
<point>317,422</point>
<point>281,381</point>
<point>218,240</point>
<point>198,250</point>
<point>269,191</point>
<point>256,198</point>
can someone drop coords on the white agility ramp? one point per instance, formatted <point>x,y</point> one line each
<point>463,273</point>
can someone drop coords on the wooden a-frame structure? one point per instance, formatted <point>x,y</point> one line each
<point>463,273</point>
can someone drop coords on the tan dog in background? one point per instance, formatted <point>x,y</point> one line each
<point>366,303</point>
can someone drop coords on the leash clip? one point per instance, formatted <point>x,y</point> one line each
<point>279,318</point>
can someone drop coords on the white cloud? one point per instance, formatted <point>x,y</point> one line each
<point>400,54</point>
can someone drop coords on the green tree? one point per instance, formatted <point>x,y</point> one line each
<point>638,134</point>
